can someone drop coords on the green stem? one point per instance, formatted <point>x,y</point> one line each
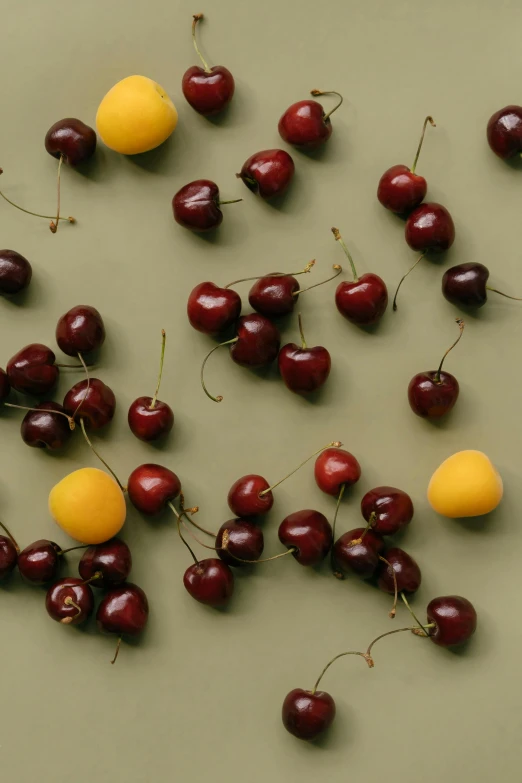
<point>275,274</point>
<point>231,201</point>
<point>205,360</point>
<point>54,223</point>
<point>338,237</point>
<point>178,521</point>
<point>195,19</point>
<point>403,278</point>
<point>338,269</point>
<point>42,410</point>
<point>430,120</point>
<point>460,324</point>
<point>335,444</point>
<point>328,92</point>
<point>341,655</point>
<point>10,535</point>
<point>494,290</point>
<point>410,610</point>
<point>335,571</point>
<point>162,357</point>
<point>303,341</point>
<point>115,477</point>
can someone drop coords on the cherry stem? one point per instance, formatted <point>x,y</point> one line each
<point>304,271</point>
<point>301,332</point>
<point>337,444</point>
<point>369,524</point>
<point>230,201</point>
<point>70,419</point>
<point>494,290</point>
<point>69,602</point>
<point>178,521</point>
<point>195,19</point>
<point>87,389</point>
<point>72,549</point>
<point>341,655</point>
<point>410,610</point>
<point>205,360</point>
<point>93,578</point>
<point>260,560</point>
<point>54,223</point>
<point>335,571</point>
<point>328,92</point>
<point>162,357</point>
<point>338,237</point>
<point>28,211</point>
<point>338,269</point>
<point>115,477</point>
<point>10,535</point>
<point>403,278</point>
<point>117,650</point>
<point>192,535</point>
<point>418,631</point>
<point>460,324</point>
<point>185,511</point>
<point>432,123</point>
<point>393,610</point>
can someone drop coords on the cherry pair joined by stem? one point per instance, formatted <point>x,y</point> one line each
<point>305,123</point>
<point>148,417</point>
<point>465,285</point>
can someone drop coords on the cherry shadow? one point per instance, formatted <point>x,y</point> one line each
<point>96,168</point>
<point>155,160</point>
<point>513,163</point>
<point>338,735</point>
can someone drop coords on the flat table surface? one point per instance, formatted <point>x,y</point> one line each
<point>200,697</point>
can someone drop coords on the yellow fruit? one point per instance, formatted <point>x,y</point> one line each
<point>89,505</point>
<point>467,484</point>
<point>136,116</point>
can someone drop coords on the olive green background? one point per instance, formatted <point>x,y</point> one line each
<point>200,697</point>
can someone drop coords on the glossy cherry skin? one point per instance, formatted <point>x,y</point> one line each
<point>149,423</point>
<point>71,139</point>
<point>212,309</point>
<point>60,596</point>
<point>245,499</point>
<point>362,301</point>
<point>113,560</point>
<point>392,509</point>
<point>150,487</point>
<point>208,93</point>
<point>304,370</point>
<point>505,132</point>
<point>15,272</point>
<point>455,620</point>
<point>5,386</point>
<point>401,190</point>
<point>431,396</point>
<point>304,125</point>
<point>407,572</point>
<point>309,533</point>
<point>44,430</point>
<point>32,370</point>
<point>335,467</point>
<point>8,557</point>
<point>196,206</point>
<point>358,556</point>
<point>430,228</point>
<point>258,341</point>
<point>306,715</point>
<point>245,541</point>
<point>123,611</point>
<point>211,582</point>
<point>268,173</point>
<point>464,285</point>
<point>80,330</point>
<point>98,403</point>
<point>39,562</point>
<point>274,295</point>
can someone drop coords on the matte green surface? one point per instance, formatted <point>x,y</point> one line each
<point>200,697</point>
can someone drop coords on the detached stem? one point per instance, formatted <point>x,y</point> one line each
<point>403,278</point>
<point>304,271</point>
<point>337,444</point>
<point>328,92</point>
<point>460,324</point>
<point>338,269</point>
<point>205,360</point>
<point>430,120</point>
<point>338,237</point>
<point>162,357</point>
<point>494,290</point>
<point>178,520</point>
<point>115,477</point>
<point>54,223</point>
<point>195,19</point>
<point>10,535</point>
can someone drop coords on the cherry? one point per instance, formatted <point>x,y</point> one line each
<point>148,417</point>
<point>400,188</point>
<point>39,562</point>
<point>391,508</point>
<point>363,300</point>
<point>237,540</point>
<point>5,386</point>
<point>433,393</point>
<point>69,601</point>
<point>92,401</point>
<point>151,487</point>
<point>256,345</point>
<point>210,582</point>
<point>196,206</point>
<point>212,309</point>
<point>54,220</point>
<point>33,370</point>
<point>505,132</point>
<point>9,551</point>
<point>268,173</point>
<point>15,272</point>
<point>407,572</point>
<point>357,551</point>
<point>304,369</point>
<point>466,285</point>
<point>43,428</point>
<point>430,228</point>
<point>106,564</point>
<point>208,90</point>
<point>335,469</point>
<point>123,611</point>
<point>304,124</point>
<point>307,714</point>
<point>308,534</point>
<point>276,294</point>
<point>454,618</point>
<point>80,330</point>
<point>72,140</point>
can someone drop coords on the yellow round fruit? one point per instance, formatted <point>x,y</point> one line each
<point>135,116</point>
<point>466,484</point>
<point>89,505</point>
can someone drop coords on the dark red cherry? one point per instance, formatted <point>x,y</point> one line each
<point>210,582</point>
<point>305,124</point>
<point>309,533</point>
<point>306,715</point>
<point>268,173</point>
<point>80,330</point>
<point>391,508</point>
<point>245,498</point>
<point>149,423</point>
<point>123,611</point>
<point>15,272</point>
<point>106,564</point>
<point>504,132</point>
<point>455,620</point>
<point>72,140</point>
<point>407,572</point>
<point>197,205</point>
<point>466,284</point>
<point>258,341</point>
<point>335,467</point>
<point>400,188</point>
<point>39,562</point>
<point>208,90</point>
<point>43,429</point>
<point>8,556</point>
<point>212,309</point>
<point>244,541</point>
<point>362,300</point>
<point>357,552</point>
<point>5,386</point>
<point>32,370</point>
<point>151,487</point>
<point>274,295</point>
<point>304,369</point>
<point>430,228</point>
<point>69,601</point>
<point>98,403</point>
